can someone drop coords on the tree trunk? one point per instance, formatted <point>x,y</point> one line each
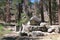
<point>59,11</point>
<point>8,16</point>
<point>26,10</point>
<point>42,12</point>
<point>19,16</point>
<point>50,15</point>
<point>20,11</point>
<point>35,9</point>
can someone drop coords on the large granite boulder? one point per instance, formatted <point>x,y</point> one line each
<point>35,20</point>
<point>42,24</point>
<point>43,27</point>
<point>26,28</point>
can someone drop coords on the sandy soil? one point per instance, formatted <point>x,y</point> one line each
<point>52,37</point>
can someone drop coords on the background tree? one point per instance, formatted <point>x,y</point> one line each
<point>42,14</point>
<point>50,15</point>
<point>2,5</point>
<point>54,11</point>
<point>7,8</point>
<point>59,11</point>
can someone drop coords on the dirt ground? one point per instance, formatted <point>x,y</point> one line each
<point>49,36</point>
<point>52,37</point>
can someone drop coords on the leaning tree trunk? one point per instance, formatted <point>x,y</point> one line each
<point>7,14</point>
<point>50,15</point>
<point>42,12</point>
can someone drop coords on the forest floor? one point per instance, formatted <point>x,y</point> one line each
<point>52,37</point>
<point>49,37</point>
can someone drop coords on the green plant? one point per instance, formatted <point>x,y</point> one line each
<point>1,27</point>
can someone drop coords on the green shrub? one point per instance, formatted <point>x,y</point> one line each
<point>1,27</point>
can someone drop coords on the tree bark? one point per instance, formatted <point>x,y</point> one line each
<point>59,12</point>
<point>26,8</point>
<point>7,14</point>
<point>42,12</point>
<point>19,15</point>
<point>20,11</point>
<point>50,15</point>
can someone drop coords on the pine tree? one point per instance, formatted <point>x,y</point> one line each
<point>7,14</point>
<point>50,12</point>
<point>59,12</point>
<point>42,14</point>
<point>54,11</point>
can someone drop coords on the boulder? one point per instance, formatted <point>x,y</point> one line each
<point>54,28</point>
<point>43,29</point>
<point>57,30</point>
<point>50,30</point>
<point>42,24</point>
<point>37,33</point>
<point>35,20</point>
<point>26,28</point>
